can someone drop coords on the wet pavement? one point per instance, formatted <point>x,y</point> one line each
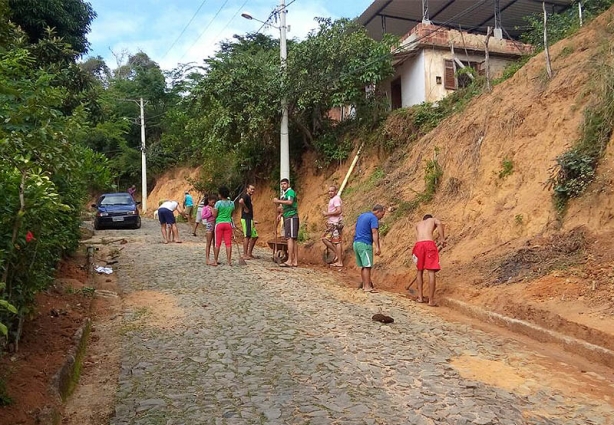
<point>259,344</point>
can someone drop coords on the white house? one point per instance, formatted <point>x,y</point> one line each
<point>441,36</point>
<point>427,61</point>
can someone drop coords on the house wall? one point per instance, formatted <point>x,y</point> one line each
<point>434,66</point>
<point>413,82</point>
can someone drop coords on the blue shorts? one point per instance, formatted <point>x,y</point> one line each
<point>166,216</point>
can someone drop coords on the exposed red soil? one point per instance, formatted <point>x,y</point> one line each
<point>47,338</point>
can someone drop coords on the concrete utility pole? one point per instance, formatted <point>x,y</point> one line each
<point>284,145</point>
<point>143,160</point>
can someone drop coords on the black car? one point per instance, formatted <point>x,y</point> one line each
<point>116,210</point>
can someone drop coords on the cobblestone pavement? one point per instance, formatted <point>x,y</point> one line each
<point>259,344</point>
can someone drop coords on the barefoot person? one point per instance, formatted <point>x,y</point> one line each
<point>367,235</point>
<point>199,213</point>
<point>209,223</point>
<point>334,226</point>
<point>291,224</point>
<point>426,255</point>
<point>222,212</point>
<point>247,222</point>
<point>168,225</point>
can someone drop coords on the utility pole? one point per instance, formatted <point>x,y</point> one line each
<point>284,145</point>
<point>143,161</point>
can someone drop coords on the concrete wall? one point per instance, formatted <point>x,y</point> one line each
<point>413,80</point>
<point>434,66</point>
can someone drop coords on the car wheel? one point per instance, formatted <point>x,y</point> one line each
<point>97,225</point>
<point>138,224</point>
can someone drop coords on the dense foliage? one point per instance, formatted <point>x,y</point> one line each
<point>562,25</point>
<point>45,167</point>
<point>231,114</point>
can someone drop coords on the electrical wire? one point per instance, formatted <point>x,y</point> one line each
<point>206,28</point>
<point>217,37</point>
<point>184,28</point>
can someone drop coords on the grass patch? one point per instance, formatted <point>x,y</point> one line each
<point>374,179</point>
<point>406,125</point>
<point>576,169</point>
<point>507,168</point>
<point>511,69</point>
<point>303,233</point>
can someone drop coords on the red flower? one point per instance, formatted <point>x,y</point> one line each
<point>29,236</point>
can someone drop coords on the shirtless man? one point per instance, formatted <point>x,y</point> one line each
<point>426,255</point>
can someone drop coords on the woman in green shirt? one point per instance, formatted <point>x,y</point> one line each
<point>222,211</point>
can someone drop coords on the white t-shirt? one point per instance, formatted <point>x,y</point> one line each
<point>170,205</point>
<point>335,202</point>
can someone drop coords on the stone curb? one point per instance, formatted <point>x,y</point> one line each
<point>583,348</point>
<point>64,381</point>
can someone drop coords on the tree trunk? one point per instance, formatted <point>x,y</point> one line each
<point>546,49</point>
<point>487,58</point>
<point>16,226</point>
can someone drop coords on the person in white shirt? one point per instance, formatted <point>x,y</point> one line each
<point>166,215</point>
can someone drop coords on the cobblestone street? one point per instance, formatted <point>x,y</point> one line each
<point>259,344</point>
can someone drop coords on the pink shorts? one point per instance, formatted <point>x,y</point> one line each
<point>426,256</point>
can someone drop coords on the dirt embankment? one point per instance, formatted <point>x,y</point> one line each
<point>506,248</point>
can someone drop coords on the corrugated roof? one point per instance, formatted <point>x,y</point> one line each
<point>400,16</point>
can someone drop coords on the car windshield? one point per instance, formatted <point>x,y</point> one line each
<point>117,199</point>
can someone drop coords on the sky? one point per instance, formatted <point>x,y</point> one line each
<point>160,27</point>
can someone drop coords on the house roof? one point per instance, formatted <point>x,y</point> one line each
<point>400,16</point>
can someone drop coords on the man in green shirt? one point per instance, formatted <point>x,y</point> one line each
<point>289,213</point>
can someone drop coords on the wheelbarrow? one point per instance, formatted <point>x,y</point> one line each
<point>280,249</point>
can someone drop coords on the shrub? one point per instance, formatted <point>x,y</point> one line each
<point>507,168</point>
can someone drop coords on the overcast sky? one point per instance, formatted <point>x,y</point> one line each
<point>156,26</point>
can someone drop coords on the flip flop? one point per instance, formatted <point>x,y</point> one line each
<point>371,291</point>
<point>284,265</point>
<point>433,305</point>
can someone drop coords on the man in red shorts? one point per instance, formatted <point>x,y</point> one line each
<point>426,254</point>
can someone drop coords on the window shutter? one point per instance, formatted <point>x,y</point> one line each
<point>449,80</point>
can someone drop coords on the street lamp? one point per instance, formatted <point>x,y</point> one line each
<point>284,148</point>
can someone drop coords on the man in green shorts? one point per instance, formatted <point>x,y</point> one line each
<point>247,222</point>
<point>367,234</point>
<point>291,224</point>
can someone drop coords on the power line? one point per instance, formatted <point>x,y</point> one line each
<point>231,19</point>
<point>207,27</point>
<point>184,28</point>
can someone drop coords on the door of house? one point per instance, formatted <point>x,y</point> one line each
<point>395,94</point>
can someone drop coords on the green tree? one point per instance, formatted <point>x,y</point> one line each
<point>70,20</point>
<point>44,171</point>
